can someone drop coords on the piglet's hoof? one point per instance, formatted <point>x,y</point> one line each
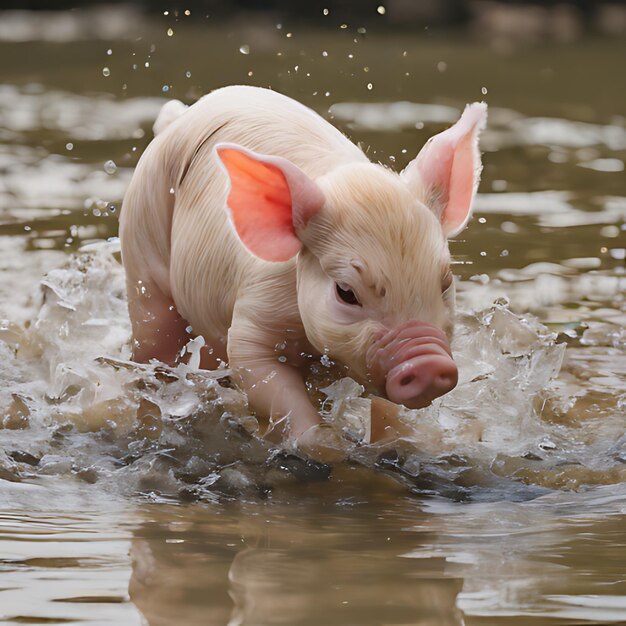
<point>321,443</point>
<point>386,424</point>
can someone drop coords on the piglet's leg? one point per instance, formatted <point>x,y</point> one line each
<point>275,390</point>
<point>386,424</point>
<point>158,329</point>
<point>160,332</point>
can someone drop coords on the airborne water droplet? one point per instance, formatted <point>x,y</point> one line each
<point>245,49</point>
<point>110,167</point>
<point>106,71</point>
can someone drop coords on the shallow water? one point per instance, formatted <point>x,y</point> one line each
<point>129,491</point>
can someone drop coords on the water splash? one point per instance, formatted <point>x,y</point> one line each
<point>72,403</point>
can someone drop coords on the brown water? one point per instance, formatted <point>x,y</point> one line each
<point>129,491</point>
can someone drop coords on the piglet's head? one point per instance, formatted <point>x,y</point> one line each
<point>375,289</point>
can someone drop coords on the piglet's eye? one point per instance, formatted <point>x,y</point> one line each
<point>347,295</point>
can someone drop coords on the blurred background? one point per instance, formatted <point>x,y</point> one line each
<point>84,81</point>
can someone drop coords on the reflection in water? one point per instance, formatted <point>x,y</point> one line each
<point>289,565</point>
<point>357,550</point>
<point>376,558</point>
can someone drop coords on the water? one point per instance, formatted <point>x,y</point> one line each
<point>130,491</point>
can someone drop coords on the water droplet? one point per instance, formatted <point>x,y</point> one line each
<point>324,53</point>
<point>245,49</point>
<point>370,86</point>
<point>187,12</point>
<point>188,74</point>
<point>442,66</point>
<point>110,167</point>
<point>146,64</point>
<point>109,52</point>
<point>381,10</point>
<point>482,220</point>
<point>165,88</point>
<point>289,35</point>
<point>484,91</point>
<point>250,73</point>
<point>69,146</point>
<point>362,30</point>
<point>96,212</point>
<point>282,359</point>
<point>343,26</point>
<point>106,71</point>
<point>325,360</point>
<point>325,11</point>
<point>170,32</point>
<point>166,12</point>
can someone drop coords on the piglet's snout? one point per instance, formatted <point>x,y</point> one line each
<point>414,364</point>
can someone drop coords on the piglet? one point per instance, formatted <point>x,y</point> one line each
<point>257,224</point>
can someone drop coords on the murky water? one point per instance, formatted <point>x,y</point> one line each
<point>130,491</point>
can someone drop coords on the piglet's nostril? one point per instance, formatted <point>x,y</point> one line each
<point>407,380</point>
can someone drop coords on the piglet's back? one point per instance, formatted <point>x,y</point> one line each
<point>208,263</point>
<point>267,122</point>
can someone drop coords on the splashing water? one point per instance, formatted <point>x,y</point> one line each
<point>183,432</point>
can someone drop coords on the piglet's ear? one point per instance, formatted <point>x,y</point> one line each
<point>270,199</point>
<point>447,170</point>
